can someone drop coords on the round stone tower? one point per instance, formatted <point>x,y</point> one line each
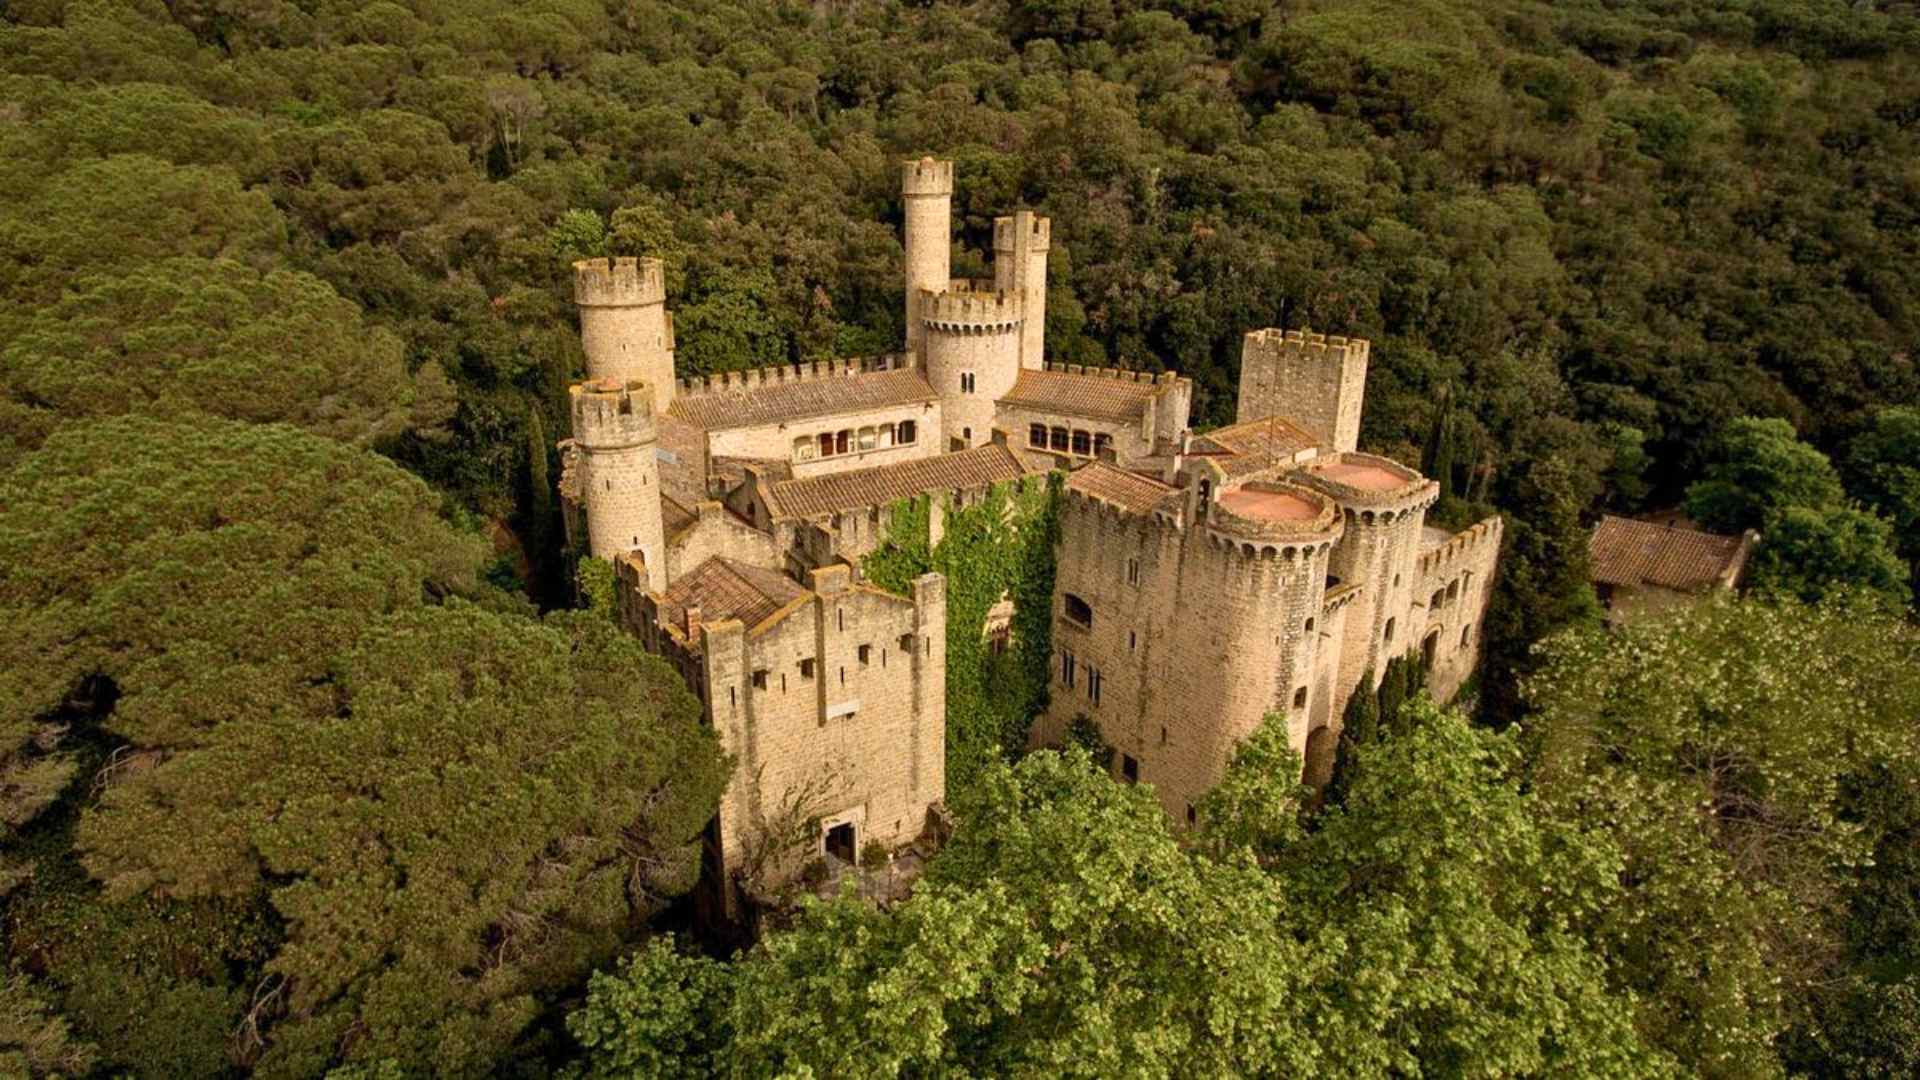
<point>971,345</point>
<point>624,324</point>
<point>926,186</point>
<point>1020,246</point>
<point>613,430</point>
<point>1264,555</point>
<point>1385,506</point>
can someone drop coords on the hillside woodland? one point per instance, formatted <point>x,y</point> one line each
<point>309,765</point>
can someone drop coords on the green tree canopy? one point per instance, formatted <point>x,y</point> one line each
<point>183,336</point>
<point>1756,468</point>
<point>1724,749</point>
<point>1067,931</point>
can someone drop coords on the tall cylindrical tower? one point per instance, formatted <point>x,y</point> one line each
<point>926,186</point>
<point>613,429</point>
<point>971,342</point>
<point>624,324</point>
<point>1264,558</point>
<point>1020,246</point>
<point>1385,505</point>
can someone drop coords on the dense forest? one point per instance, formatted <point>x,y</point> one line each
<point>309,766</point>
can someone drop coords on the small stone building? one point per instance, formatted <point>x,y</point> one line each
<point>1641,567</point>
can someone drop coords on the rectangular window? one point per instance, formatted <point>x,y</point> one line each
<point>1300,698</point>
<point>843,442</point>
<point>1037,436</point>
<point>1129,769</point>
<point>826,444</point>
<point>1388,636</point>
<point>966,382</point>
<point>1082,443</point>
<point>866,655</point>
<point>1132,640</point>
<point>1067,668</point>
<point>1466,633</point>
<point>760,679</point>
<point>806,669</point>
<point>1077,610</point>
<point>1093,684</point>
<point>1133,571</point>
<point>1060,439</point>
<point>1101,442</point>
<point>869,438</point>
<point>904,433</point>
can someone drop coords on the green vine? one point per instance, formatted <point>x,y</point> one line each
<point>1002,545</point>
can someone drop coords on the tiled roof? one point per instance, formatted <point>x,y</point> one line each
<point>1126,490</point>
<point>725,589</point>
<point>800,399</point>
<point>1633,553</point>
<point>1095,397</point>
<point>882,484</point>
<point>1257,443</point>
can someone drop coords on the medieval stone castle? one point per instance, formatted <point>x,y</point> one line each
<point>1204,581</point>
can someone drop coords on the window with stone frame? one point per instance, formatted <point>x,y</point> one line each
<point>1077,610</point>
<point>1037,436</point>
<point>1082,442</point>
<point>904,433</point>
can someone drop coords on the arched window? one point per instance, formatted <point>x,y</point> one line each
<point>905,433</point>
<point>1101,441</point>
<point>803,449</point>
<point>869,438</point>
<point>886,436</point>
<point>1037,436</point>
<point>1078,610</point>
<point>1438,596</point>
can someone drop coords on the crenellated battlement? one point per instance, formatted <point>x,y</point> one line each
<point>622,282</point>
<point>1465,544</point>
<point>612,415</point>
<point>754,378</point>
<point>1006,234</point>
<point>1369,485</point>
<point>1307,343</point>
<point>1265,512</point>
<point>926,176</point>
<point>971,312</point>
<point>1164,378</point>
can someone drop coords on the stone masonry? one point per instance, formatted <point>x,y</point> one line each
<point>1205,581</point>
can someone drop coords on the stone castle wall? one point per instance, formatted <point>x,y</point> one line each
<point>1455,587</point>
<point>858,740</point>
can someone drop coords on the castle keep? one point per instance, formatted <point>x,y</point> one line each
<point>1204,580</point>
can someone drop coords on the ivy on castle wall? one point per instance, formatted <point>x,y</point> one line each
<point>1001,546</point>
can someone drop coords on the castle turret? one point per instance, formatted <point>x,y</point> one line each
<point>1317,382</point>
<point>926,186</point>
<point>1385,505</point>
<point>1020,245</point>
<point>624,324</point>
<point>619,474</point>
<point>971,341</point>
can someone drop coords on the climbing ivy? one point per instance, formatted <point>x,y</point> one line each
<point>1001,546</point>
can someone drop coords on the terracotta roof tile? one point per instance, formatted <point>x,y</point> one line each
<point>725,589</point>
<point>881,484</point>
<point>1098,397</point>
<point>1635,553</point>
<point>1127,490</point>
<point>800,399</point>
<point>1255,445</point>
